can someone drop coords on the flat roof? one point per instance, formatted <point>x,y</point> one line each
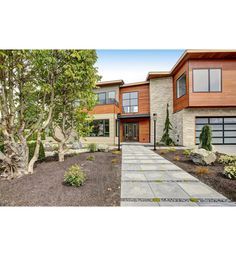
<point>135,84</point>
<point>109,83</point>
<point>193,54</point>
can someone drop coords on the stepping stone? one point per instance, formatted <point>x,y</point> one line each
<point>134,204</point>
<point>136,190</point>
<point>132,176</point>
<point>199,190</point>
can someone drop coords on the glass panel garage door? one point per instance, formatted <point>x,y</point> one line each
<point>223,129</point>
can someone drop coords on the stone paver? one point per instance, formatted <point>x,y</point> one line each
<point>148,179</point>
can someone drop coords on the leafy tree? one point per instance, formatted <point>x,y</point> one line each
<point>168,126</point>
<point>206,138</point>
<point>27,80</point>
<point>74,96</point>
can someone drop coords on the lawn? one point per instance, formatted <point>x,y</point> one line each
<point>45,186</point>
<point>213,176</point>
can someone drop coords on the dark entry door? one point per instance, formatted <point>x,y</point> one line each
<point>130,132</point>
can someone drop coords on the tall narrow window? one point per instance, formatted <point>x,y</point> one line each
<point>130,102</point>
<point>207,80</point>
<point>181,86</point>
<point>100,128</point>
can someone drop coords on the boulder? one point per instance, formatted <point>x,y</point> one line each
<point>102,147</point>
<point>201,156</point>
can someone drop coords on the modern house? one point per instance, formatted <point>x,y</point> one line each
<point>200,89</point>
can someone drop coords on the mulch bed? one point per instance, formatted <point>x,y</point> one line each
<point>45,186</point>
<point>214,178</point>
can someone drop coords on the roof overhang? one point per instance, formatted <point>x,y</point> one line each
<point>194,54</point>
<point>136,84</point>
<point>134,116</point>
<point>110,83</point>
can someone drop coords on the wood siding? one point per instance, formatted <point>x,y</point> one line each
<point>143,98</point>
<point>182,102</point>
<point>105,109</point>
<point>144,128</point>
<point>227,97</point>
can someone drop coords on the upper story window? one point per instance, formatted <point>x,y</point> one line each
<point>106,97</point>
<point>181,86</point>
<point>207,80</point>
<point>130,102</point>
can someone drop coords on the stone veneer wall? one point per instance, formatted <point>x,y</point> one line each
<point>161,93</point>
<point>112,139</point>
<point>184,121</point>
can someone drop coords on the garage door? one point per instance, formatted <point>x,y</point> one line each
<point>223,129</point>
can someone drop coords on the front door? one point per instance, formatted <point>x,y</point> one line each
<point>130,132</point>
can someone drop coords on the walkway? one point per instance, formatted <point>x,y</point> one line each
<point>150,180</point>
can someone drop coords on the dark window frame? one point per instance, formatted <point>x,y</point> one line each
<point>209,79</point>
<point>106,98</point>
<point>212,124</point>
<point>104,135</point>
<point>130,102</point>
<point>184,74</point>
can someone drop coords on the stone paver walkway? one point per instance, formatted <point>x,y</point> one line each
<point>150,180</point>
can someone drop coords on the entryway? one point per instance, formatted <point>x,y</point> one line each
<point>130,132</point>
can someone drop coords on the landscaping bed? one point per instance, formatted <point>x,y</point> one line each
<point>214,177</point>
<point>45,186</point>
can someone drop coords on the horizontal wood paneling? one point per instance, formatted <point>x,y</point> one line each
<point>182,102</point>
<point>227,97</point>
<point>105,109</point>
<point>144,128</point>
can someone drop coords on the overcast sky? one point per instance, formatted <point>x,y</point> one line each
<point>133,65</point>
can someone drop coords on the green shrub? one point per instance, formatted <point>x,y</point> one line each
<point>116,152</point>
<point>166,139</point>
<point>92,147</point>
<point>114,161</point>
<point>171,149</point>
<point>194,200</point>
<point>74,176</point>
<point>156,200</point>
<point>32,146</point>
<point>230,172</point>
<point>225,159</point>
<point>206,138</point>
<point>90,158</point>
<point>1,147</point>
<point>187,152</point>
<point>33,137</point>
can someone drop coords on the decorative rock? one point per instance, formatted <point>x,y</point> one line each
<point>202,157</point>
<point>102,147</point>
<point>76,145</point>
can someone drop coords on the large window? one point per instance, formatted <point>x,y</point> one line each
<point>106,97</point>
<point>181,86</point>
<point>207,80</point>
<point>130,102</point>
<point>100,128</point>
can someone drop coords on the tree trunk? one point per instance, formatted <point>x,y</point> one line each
<point>16,162</point>
<point>61,151</point>
<point>36,154</point>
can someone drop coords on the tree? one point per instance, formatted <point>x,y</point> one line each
<point>206,138</point>
<point>168,126</point>
<point>74,96</point>
<point>27,80</point>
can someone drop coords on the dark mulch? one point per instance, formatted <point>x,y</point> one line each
<point>45,187</point>
<point>214,178</point>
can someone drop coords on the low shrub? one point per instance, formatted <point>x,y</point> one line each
<point>162,152</point>
<point>202,170</point>
<point>1,147</point>
<point>171,150</point>
<point>74,176</point>
<point>156,200</point>
<point>194,200</point>
<point>230,172</point>
<point>116,152</point>
<point>114,161</point>
<point>228,160</point>
<point>32,146</point>
<point>176,158</point>
<point>187,152</point>
<point>90,158</point>
<point>92,147</point>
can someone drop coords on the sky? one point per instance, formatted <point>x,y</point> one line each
<point>134,65</point>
